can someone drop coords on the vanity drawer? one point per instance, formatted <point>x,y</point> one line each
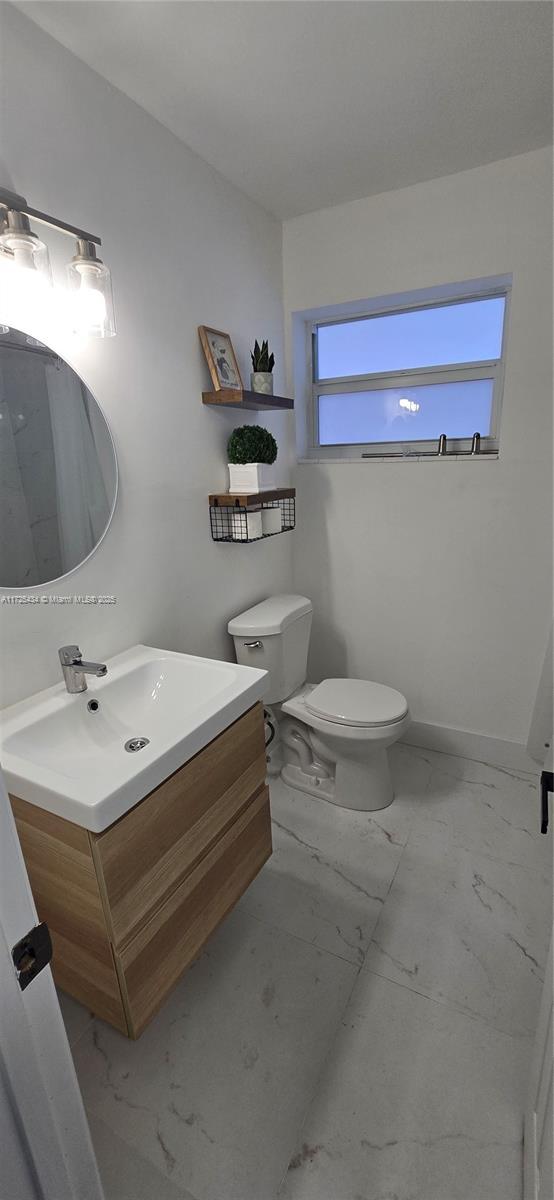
<point>65,888</point>
<point>151,963</point>
<point>143,857</point>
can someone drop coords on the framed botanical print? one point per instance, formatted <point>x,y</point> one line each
<point>220,358</point>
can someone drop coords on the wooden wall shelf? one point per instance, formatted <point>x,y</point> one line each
<point>233,398</point>
<point>250,499</point>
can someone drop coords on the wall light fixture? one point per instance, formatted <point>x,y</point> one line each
<point>25,268</point>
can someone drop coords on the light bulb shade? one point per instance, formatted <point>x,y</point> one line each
<point>22,249</point>
<point>91,297</point>
<point>25,277</point>
<point>25,294</point>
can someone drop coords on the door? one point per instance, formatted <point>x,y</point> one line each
<point>538,1150</point>
<point>47,1153</point>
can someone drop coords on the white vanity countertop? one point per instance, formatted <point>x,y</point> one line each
<point>61,756</point>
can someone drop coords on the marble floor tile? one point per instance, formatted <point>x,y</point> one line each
<point>214,1091</point>
<point>329,873</point>
<point>417,1102</point>
<point>125,1174</point>
<point>437,910</point>
<point>467,931</point>
<point>493,811</point>
<point>76,1017</point>
<point>410,768</point>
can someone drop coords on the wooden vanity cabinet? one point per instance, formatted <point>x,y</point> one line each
<point>130,908</point>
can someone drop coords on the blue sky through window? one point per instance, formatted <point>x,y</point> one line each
<point>427,337</point>
<point>406,414</point>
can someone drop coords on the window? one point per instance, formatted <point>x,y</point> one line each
<point>391,382</point>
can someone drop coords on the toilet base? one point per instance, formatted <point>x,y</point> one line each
<point>366,785</point>
<point>362,787</point>
<point>297,778</point>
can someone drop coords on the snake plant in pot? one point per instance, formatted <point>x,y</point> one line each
<point>251,452</point>
<point>261,379</point>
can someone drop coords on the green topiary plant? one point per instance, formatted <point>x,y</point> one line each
<point>262,360</point>
<point>251,444</point>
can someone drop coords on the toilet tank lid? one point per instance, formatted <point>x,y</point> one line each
<point>271,616</point>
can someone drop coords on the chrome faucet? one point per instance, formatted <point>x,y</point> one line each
<point>75,671</point>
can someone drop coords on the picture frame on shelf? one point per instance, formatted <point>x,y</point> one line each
<point>221,360</point>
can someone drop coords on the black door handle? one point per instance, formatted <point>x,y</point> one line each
<point>547,785</point>
<point>31,954</point>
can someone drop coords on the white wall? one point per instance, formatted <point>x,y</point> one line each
<point>436,577</point>
<point>185,248</point>
<point>432,577</point>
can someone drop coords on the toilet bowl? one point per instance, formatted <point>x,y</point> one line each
<point>333,735</point>
<point>349,724</point>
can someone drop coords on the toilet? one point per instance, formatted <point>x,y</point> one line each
<point>335,734</point>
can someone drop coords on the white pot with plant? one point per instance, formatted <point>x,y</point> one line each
<point>251,452</point>
<point>261,379</point>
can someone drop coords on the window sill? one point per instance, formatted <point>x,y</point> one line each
<point>406,458</point>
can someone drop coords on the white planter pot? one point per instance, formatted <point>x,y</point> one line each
<point>262,381</point>
<point>271,520</point>
<point>245,526</point>
<point>250,477</point>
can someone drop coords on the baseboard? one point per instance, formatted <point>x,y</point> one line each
<point>511,755</point>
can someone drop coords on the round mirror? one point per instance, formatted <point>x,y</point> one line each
<point>58,470</point>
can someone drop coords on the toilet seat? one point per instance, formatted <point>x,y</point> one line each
<point>358,702</point>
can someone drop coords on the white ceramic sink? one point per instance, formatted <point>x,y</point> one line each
<point>62,756</point>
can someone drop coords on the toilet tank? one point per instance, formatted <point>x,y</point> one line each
<point>281,627</point>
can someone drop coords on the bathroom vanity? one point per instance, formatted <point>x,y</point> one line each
<point>143,815</point>
<point>130,908</point>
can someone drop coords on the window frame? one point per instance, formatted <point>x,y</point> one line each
<point>445,373</point>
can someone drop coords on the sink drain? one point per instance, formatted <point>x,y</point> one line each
<point>135,744</point>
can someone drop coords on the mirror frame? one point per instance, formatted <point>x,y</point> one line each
<point>34,587</point>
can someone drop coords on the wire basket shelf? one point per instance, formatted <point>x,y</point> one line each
<point>252,518</point>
